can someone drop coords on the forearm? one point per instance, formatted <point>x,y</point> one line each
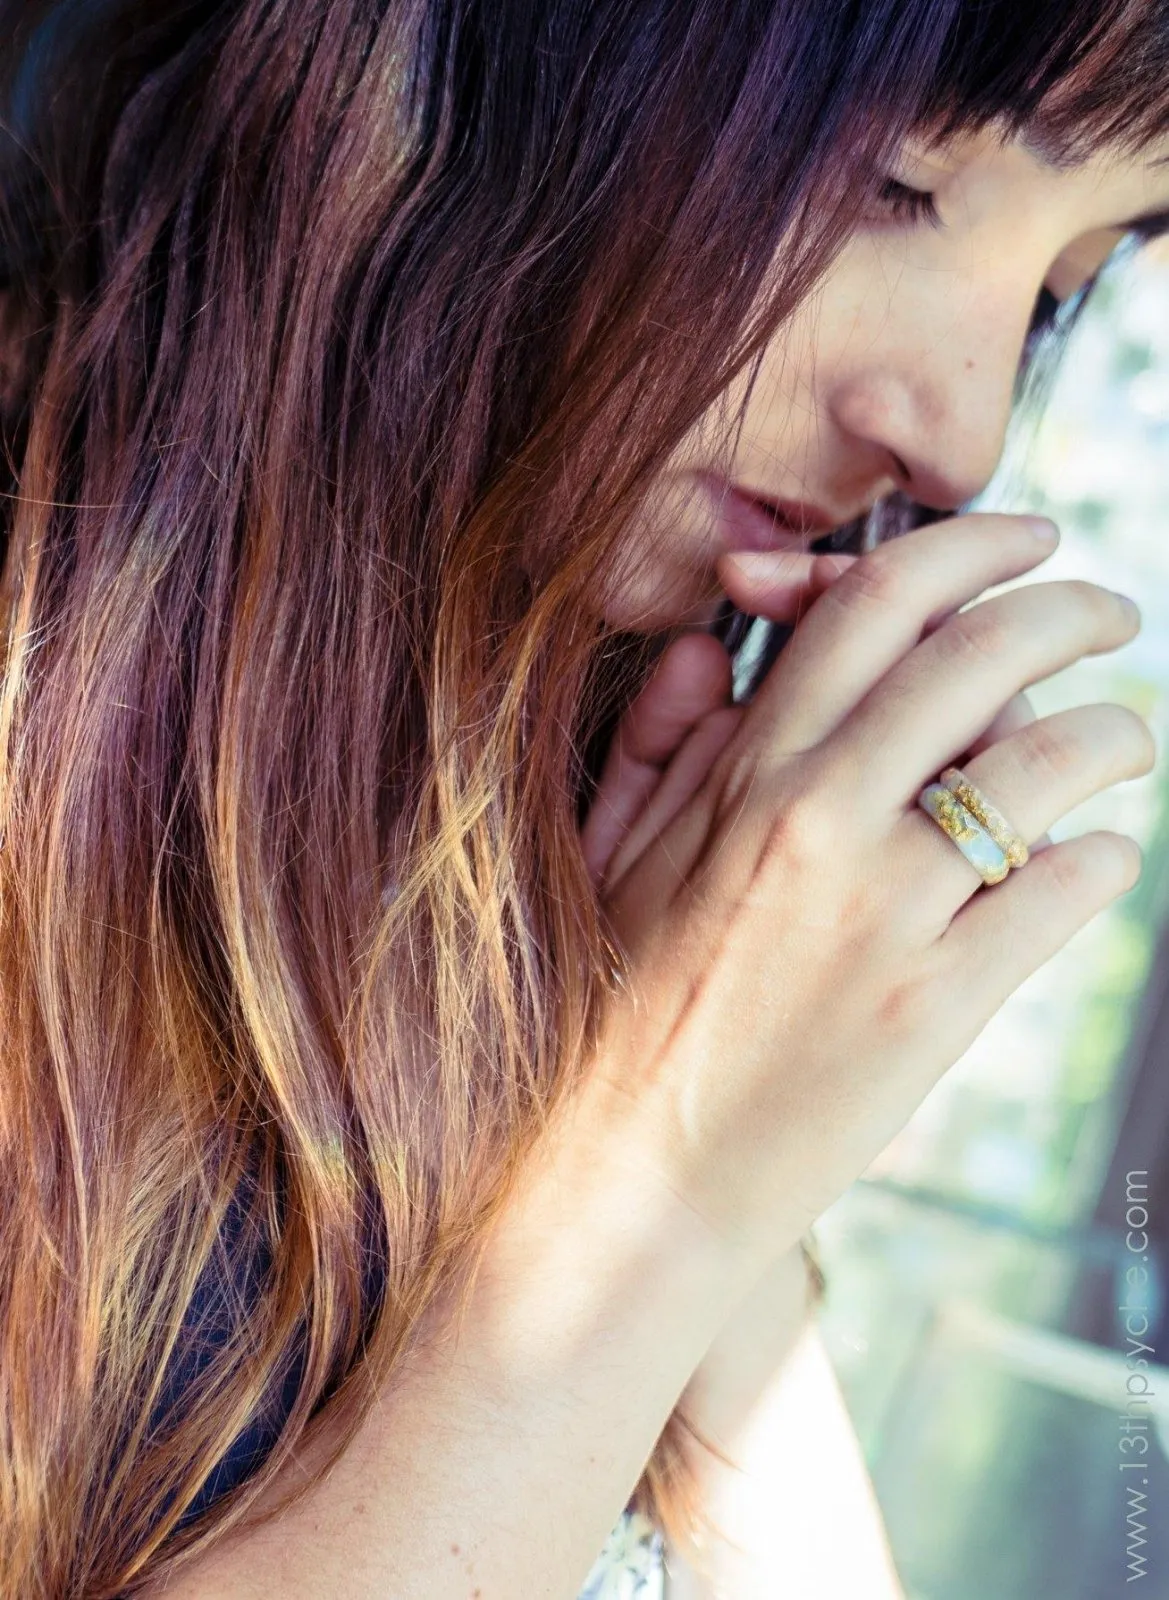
<point>796,1515</point>
<point>503,1458</point>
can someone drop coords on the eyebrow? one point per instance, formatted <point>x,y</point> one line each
<point>1149,225</point>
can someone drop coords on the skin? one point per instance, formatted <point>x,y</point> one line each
<point>897,374</point>
<point>566,1376</point>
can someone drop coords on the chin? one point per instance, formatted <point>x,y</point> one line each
<point>654,607</point>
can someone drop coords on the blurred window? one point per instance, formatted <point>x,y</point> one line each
<point>976,1271</point>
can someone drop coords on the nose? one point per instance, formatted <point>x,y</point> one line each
<point>932,404</point>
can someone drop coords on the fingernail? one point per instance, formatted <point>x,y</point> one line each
<point>1044,529</point>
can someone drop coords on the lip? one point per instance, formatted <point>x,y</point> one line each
<point>749,522</point>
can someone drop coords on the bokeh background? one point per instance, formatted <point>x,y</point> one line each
<point>977,1269</point>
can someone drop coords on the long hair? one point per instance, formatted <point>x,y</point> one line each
<point>318,317</point>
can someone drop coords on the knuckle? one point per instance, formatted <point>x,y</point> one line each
<point>742,849</point>
<point>1053,749</point>
<point>906,1006</point>
<point>1066,868</point>
<point>874,580</point>
<point>1063,744</point>
<point>1098,602</point>
<point>800,834</point>
<point>1078,866</point>
<point>974,637</point>
<point>733,773</point>
<point>712,744</point>
<point>796,845</point>
<point>1096,606</point>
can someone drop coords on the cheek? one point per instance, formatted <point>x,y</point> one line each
<point>647,591</point>
<point>782,431</point>
<point>663,573</point>
<point>644,605</point>
<point>895,298</point>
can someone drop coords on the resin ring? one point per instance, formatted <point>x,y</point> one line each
<point>992,819</point>
<point>964,828</point>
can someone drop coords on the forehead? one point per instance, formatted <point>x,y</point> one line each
<point>1134,180</point>
<point>1053,156</point>
<point>1130,181</point>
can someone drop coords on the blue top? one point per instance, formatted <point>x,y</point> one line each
<point>212,1317</point>
<point>231,1282</point>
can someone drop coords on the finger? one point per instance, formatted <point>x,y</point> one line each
<point>777,589</point>
<point>1000,937</point>
<point>1035,775</point>
<point>778,584</point>
<point>1017,713</point>
<point>865,623</point>
<point>937,699</point>
<point>692,678</point>
<point>681,781</point>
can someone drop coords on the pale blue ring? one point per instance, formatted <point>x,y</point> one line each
<point>975,843</point>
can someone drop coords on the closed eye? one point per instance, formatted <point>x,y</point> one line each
<point>908,205</point>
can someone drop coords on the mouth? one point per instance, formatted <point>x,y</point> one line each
<point>749,521</point>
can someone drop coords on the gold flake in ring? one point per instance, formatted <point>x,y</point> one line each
<point>992,819</point>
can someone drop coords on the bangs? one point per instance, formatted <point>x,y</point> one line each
<point>1078,75</point>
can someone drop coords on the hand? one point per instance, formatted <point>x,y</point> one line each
<point>661,753</point>
<point>770,904</point>
<point>667,741</point>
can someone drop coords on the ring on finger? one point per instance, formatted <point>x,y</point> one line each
<point>974,824</point>
<point>1012,845</point>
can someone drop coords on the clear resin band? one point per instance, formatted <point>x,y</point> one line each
<point>975,843</point>
<point>1013,846</point>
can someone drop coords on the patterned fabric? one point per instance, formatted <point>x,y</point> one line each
<point>630,1566</point>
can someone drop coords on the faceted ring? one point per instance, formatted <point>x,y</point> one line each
<point>967,832</point>
<point>1009,842</point>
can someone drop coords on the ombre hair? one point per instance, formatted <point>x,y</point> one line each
<point>316,316</point>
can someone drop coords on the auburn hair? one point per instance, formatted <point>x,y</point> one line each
<point>316,316</point>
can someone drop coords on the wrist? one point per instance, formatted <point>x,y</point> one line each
<point>750,1348</point>
<point>592,1244</point>
<point>641,1131</point>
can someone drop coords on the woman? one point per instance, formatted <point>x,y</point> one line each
<point>401,1076</point>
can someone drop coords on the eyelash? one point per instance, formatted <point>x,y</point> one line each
<point>909,205</point>
<point>913,206</point>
